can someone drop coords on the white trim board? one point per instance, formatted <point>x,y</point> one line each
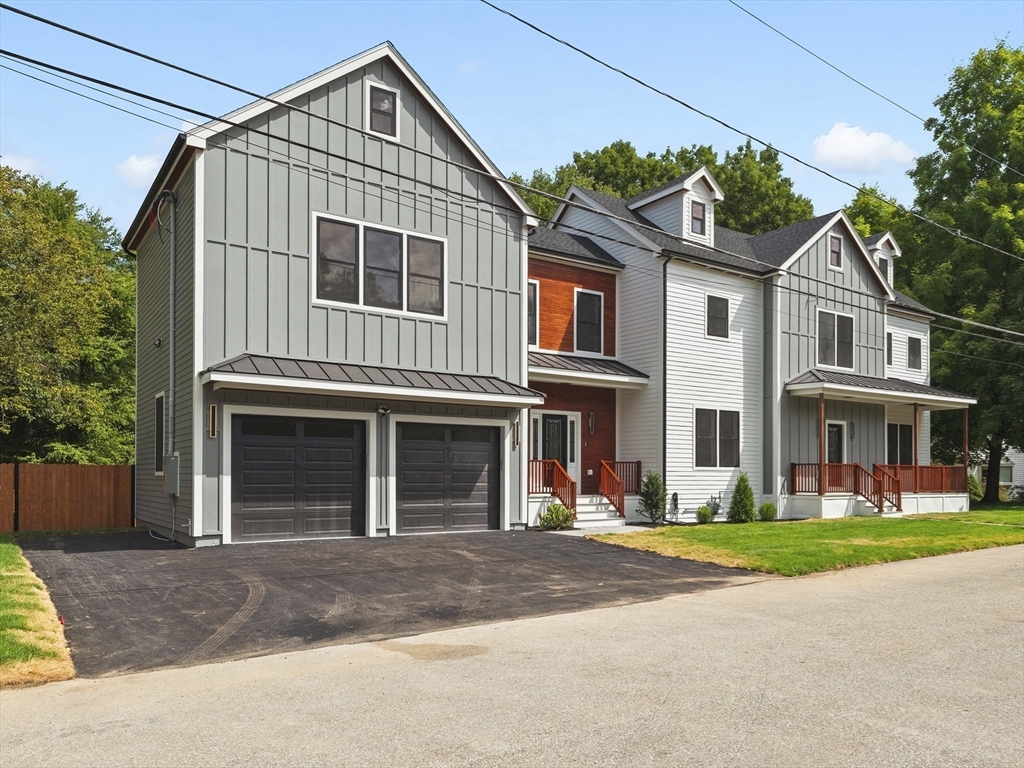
<point>587,378</point>
<point>883,396</point>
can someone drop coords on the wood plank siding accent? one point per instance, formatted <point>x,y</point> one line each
<point>593,447</point>
<point>558,284</point>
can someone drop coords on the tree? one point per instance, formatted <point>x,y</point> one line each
<point>983,197</point>
<point>67,328</point>
<point>651,503</point>
<point>741,503</point>
<point>758,198</point>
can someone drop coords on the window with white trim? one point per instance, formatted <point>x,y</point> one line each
<point>900,443</point>
<point>589,311</point>
<point>835,339</point>
<point>383,111</point>
<point>717,438</point>
<point>698,218</point>
<point>718,317</point>
<point>366,265</point>
<point>835,252</point>
<point>158,436</point>
<point>888,349</point>
<point>883,267</point>
<point>532,312</point>
<point>913,353</point>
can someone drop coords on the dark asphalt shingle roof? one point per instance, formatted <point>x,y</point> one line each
<point>815,376</point>
<point>870,241</point>
<point>777,246</point>
<point>576,247</point>
<point>902,300</point>
<point>652,192</point>
<point>346,373</point>
<point>582,364</point>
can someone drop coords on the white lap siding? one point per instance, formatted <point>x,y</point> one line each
<point>715,373</point>
<point>902,328</point>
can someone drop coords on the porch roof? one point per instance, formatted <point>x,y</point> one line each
<point>837,385</point>
<point>585,371</point>
<point>325,377</point>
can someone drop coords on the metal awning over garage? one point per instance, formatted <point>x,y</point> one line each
<point>836,385</point>
<point>286,374</point>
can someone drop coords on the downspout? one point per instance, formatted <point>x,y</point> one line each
<point>173,484</point>
<point>664,372</point>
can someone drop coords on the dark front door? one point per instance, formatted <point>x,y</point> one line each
<point>447,478</point>
<point>297,478</point>
<point>834,444</point>
<point>556,444</point>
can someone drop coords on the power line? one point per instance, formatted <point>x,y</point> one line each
<point>867,87</point>
<point>858,188</point>
<point>980,335</point>
<point>976,357</point>
<point>446,191</point>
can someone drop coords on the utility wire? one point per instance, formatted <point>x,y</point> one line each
<point>501,180</point>
<point>976,357</point>
<point>858,188</point>
<point>867,87</point>
<point>447,191</point>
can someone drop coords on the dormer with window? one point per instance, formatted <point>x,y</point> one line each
<point>884,251</point>
<point>684,207</point>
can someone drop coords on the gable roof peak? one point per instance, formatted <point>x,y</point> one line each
<point>682,183</point>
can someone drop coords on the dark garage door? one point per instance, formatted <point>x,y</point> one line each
<point>448,478</point>
<point>297,478</point>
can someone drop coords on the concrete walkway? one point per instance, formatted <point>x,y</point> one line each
<point>913,663</point>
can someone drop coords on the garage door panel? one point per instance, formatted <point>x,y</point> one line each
<point>295,477</point>
<point>423,522</point>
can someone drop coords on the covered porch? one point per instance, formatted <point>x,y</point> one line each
<point>573,438</point>
<point>890,478</point>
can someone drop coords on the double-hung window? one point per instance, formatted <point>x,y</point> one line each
<point>718,317</point>
<point>589,311</point>
<point>383,111</point>
<point>371,266</point>
<point>883,267</point>
<point>888,349</point>
<point>913,353</point>
<point>835,252</point>
<point>717,438</point>
<point>532,313</point>
<point>698,214</point>
<point>835,339</point>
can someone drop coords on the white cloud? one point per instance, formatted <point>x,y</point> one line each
<point>848,147</point>
<point>27,164</point>
<point>138,170</point>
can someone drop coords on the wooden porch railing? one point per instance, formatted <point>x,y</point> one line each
<point>867,485</point>
<point>891,486</point>
<point>613,488</point>
<point>549,476</point>
<point>630,473</point>
<point>929,478</point>
<point>804,478</point>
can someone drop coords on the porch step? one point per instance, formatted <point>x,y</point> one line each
<point>598,522</point>
<point>596,512</point>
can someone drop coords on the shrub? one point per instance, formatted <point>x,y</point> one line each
<point>557,518</point>
<point>741,505</point>
<point>704,514</point>
<point>1004,494</point>
<point>1017,493</point>
<point>767,512</point>
<point>652,498</point>
<point>974,488</point>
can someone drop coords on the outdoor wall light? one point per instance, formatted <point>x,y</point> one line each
<point>515,434</point>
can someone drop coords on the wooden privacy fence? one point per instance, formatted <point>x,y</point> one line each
<point>66,497</point>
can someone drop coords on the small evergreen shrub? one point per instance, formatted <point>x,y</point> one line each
<point>704,514</point>
<point>652,498</point>
<point>557,518</point>
<point>741,505</point>
<point>974,488</point>
<point>767,512</point>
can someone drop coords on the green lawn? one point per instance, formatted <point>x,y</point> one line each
<point>810,546</point>
<point>1001,513</point>
<point>32,646</point>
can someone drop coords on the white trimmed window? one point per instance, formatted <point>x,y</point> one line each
<point>589,316</point>
<point>835,339</point>
<point>913,353</point>
<point>366,265</point>
<point>533,313</point>
<point>717,317</point>
<point>717,438</point>
<point>883,267</point>
<point>698,218</point>
<point>835,252</point>
<point>381,110</point>
<point>888,349</point>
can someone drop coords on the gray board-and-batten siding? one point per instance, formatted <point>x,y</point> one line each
<point>259,239</point>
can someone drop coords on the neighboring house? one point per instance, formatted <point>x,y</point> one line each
<point>666,342</point>
<point>348,328</point>
<point>1011,470</point>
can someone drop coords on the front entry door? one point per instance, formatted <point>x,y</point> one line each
<point>834,443</point>
<point>555,430</point>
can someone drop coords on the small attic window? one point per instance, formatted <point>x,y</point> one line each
<point>697,218</point>
<point>835,252</point>
<point>883,267</point>
<point>383,111</point>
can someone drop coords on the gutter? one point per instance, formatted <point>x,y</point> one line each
<point>160,183</point>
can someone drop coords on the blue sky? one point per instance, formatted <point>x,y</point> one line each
<point>527,101</point>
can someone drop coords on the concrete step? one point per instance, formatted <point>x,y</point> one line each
<point>596,514</point>
<point>605,522</point>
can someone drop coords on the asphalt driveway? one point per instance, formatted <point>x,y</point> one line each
<point>132,603</point>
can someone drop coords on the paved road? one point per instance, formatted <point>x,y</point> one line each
<point>132,603</point>
<point>907,664</point>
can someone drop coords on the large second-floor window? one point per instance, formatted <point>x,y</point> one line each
<point>914,353</point>
<point>835,339</point>
<point>532,312</point>
<point>589,308</point>
<point>371,266</point>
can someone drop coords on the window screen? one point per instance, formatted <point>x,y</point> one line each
<point>697,218</point>
<point>383,269</point>
<point>728,438</point>
<point>337,276</point>
<point>707,438</point>
<point>844,341</point>
<point>914,353</point>
<point>158,436</point>
<point>531,314</point>
<point>835,251</point>
<point>382,111</point>
<point>718,317</point>
<point>426,273</point>
<point>588,321</point>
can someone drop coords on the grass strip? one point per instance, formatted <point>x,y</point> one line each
<point>811,546</point>
<point>32,644</point>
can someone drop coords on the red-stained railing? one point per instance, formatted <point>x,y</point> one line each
<point>629,472</point>
<point>549,476</point>
<point>841,478</point>
<point>867,485</point>
<point>891,486</point>
<point>564,487</point>
<point>804,478</point>
<point>929,478</point>
<point>539,475</point>
<point>613,488</point>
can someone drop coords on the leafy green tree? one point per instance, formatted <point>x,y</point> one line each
<point>758,198</point>
<point>67,328</point>
<point>984,198</point>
